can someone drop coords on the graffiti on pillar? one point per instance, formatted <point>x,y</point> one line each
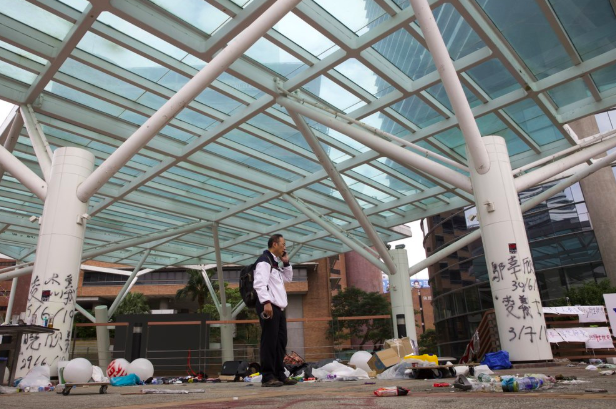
<point>57,307</point>
<point>528,283</point>
<point>513,266</point>
<point>528,266</point>
<point>524,307</point>
<point>497,271</point>
<point>509,304</point>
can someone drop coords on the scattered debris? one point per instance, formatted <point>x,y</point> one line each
<point>596,390</point>
<point>391,391</point>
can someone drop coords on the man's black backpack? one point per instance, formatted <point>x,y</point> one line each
<point>247,289</point>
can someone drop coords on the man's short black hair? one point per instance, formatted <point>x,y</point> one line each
<point>273,239</point>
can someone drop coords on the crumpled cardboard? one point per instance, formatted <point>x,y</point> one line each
<point>402,346</point>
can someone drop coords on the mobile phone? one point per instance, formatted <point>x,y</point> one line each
<point>265,316</point>
<point>284,253</point>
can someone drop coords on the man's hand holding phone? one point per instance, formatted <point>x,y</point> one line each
<point>268,312</point>
<point>284,258</point>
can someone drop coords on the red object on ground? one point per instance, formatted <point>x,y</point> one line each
<point>441,385</point>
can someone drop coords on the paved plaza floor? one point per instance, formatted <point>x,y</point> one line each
<point>322,395</point>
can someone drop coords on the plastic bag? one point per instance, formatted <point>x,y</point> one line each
<point>340,370</point>
<point>37,376</point>
<point>128,380</point>
<point>98,375</point>
<point>483,369</point>
<point>396,372</point>
<point>497,360</point>
<point>391,391</point>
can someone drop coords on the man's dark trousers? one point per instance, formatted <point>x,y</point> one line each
<point>273,344</point>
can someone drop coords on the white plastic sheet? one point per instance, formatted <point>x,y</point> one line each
<point>340,370</point>
<point>38,376</point>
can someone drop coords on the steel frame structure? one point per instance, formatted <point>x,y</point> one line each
<point>151,199</point>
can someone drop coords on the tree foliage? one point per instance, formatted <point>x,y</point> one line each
<point>427,342</point>
<point>356,302</point>
<point>590,293</point>
<point>133,303</point>
<point>195,288</point>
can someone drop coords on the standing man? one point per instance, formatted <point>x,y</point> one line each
<point>269,284</point>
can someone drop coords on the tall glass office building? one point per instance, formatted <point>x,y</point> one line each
<point>564,249</point>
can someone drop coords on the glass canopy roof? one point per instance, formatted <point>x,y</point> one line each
<point>528,67</point>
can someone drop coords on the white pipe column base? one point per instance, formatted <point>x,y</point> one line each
<point>102,336</point>
<point>58,259</point>
<point>401,295</point>
<point>226,336</point>
<point>517,302</point>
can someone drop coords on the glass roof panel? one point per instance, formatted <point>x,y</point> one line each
<point>97,78</point>
<point>141,35</point>
<point>359,16</point>
<point>417,111</point>
<point>307,37</point>
<point>23,53</point>
<point>415,62</point>
<point>396,167</point>
<point>605,78</point>
<point>122,57</point>
<point>591,25</point>
<point>36,17</point>
<point>491,125</point>
<point>569,92</point>
<point>275,58</point>
<point>459,37</point>
<point>197,13</point>
<point>526,28</point>
<point>493,78</point>
<point>532,119</point>
<point>334,94</point>
<point>76,4</point>
<point>16,73</point>
<point>364,77</point>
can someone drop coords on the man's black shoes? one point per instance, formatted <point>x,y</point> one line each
<point>289,381</point>
<point>272,383</point>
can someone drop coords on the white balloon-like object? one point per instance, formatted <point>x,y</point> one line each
<point>142,368</point>
<point>360,360</point>
<point>118,367</point>
<point>78,370</point>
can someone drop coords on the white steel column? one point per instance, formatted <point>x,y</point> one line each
<point>127,284</point>
<point>226,330</point>
<point>9,307</point>
<point>517,302</point>
<point>344,190</point>
<point>452,85</point>
<point>41,148</point>
<point>236,48</point>
<point>23,173</point>
<point>58,259</point>
<point>401,295</point>
<point>102,336</point>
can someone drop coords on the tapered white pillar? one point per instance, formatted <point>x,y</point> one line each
<point>102,336</point>
<point>403,314</point>
<point>58,258</point>
<point>226,335</point>
<point>517,303</point>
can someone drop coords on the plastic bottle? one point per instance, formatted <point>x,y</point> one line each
<point>44,321</point>
<point>529,383</point>
<point>484,377</point>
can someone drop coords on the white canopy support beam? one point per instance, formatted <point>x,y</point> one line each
<point>183,97</point>
<point>72,38</point>
<point>12,137</point>
<point>295,250</point>
<point>39,142</point>
<point>23,173</point>
<point>219,271</point>
<point>403,156</point>
<point>85,313</point>
<point>533,178</point>
<point>210,287</point>
<point>238,308</point>
<point>129,280</point>
<point>526,206</point>
<point>583,143</point>
<point>352,244</point>
<point>344,190</point>
<point>452,85</point>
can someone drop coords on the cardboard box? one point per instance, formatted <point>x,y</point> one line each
<point>402,346</point>
<point>383,359</point>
